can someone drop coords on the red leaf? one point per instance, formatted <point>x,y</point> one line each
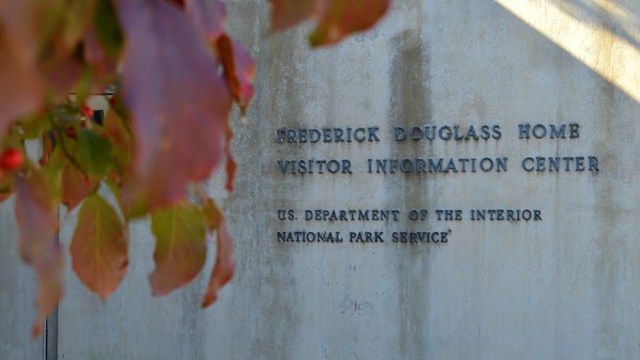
<point>21,88</point>
<point>239,69</point>
<point>95,55</point>
<point>62,75</point>
<point>99,247</point>
<point>208,17</point>
<point>286,13</point>
<point>177,99</point>
<point>37,44</point>
<point>336,18</point>
<point>94,52</point>
<point>231,163</point>
<point>341,18</point>
<point>75,186</point>
<point>37,219</point>
<point>180,247</point>
<point>231,172</point>
<point>224,267</point>
<point>177,2</point>
<point>116,131</point>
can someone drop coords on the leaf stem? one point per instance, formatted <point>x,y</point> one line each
<point>63,146</point>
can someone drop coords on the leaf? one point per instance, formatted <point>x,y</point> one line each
<point>107,29</point>
<point>62,75</point>
<point>49,140</point>
<point>224,267</point>
<point>178,101</point>
<point>208,17</point>
<point>34,127</point>
<point>341,18</point>
<point>99,247</point>
<point>21,88</point>
<point>37,219</point>
<point>57,27</point>
<point>286,13</point>
<point>116,131</point>
<point>180,3</point>
<point>52,172</point>
<point>336,18</point>
<point>76,186</point>
<point>181,247</point>
<point>213,216</point>
<point>21,29</point>
<point>239,69</point>
<point>38,42</point>
<point>94,153</point>
<point>102,65</point>
<point>231,162</point>
<point>103,43</point>
<point>62,26</point>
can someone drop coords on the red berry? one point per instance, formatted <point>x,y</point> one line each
<point>87,111</point>
<point>11,159</point>
<point>71,132</point>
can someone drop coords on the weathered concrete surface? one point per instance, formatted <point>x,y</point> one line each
<point>564,288</point>
<point>17,295</point>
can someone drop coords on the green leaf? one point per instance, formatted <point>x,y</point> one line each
<point>94,153</point>
<point>99,247</point>
<point>107,28</point>
<point>85,82</point>
<point>52,172</point>
<point>34,127</point>
<point>181,248</point>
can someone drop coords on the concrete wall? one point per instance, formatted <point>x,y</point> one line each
<point>17,295</point>
<point>564,287</point>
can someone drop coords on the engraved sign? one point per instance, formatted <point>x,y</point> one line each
<point>318,225</point>
<point>461,182</point>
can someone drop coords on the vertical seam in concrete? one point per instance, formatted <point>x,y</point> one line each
<point>51,337</point>
<point>51,324</point>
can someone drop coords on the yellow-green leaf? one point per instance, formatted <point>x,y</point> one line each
<point>181,249</point>
<point>94,153</point>
<point>99,247</point>
<point>108,29</point>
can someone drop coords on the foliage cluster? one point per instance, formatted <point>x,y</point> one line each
<point>171,74</point>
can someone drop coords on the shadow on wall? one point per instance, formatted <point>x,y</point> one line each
<point>603,35</point>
